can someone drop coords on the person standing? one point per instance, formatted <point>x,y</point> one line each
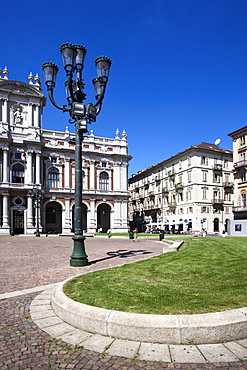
<point>135,234</point>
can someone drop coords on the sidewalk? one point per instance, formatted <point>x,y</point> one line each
<point>30,265</point>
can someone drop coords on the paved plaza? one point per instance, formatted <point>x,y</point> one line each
<point>31,266</point>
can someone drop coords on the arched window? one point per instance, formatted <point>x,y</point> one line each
<point>18,173</point>
<point>53,178</point>
<point>104,181</point>
<point>243,199</point>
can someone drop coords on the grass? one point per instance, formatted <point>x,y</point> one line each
<point>206,275</point>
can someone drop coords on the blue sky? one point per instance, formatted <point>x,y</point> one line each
<point>179,72</point>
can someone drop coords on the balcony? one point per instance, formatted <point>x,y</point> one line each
<point>239,209</point>
<point>240,164</point>
<point>217,201</point>
<point>172,205</point>
<point>179,187</point>
<point>228,184</point>
<point>171,173</point>
<point>217,167</point>
<point>165,191</point>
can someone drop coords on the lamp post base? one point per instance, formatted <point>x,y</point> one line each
<point>78,257</point>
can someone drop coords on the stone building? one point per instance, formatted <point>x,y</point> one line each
<point>238,226</point>
<point>190,192</point>
<point>34,161</point>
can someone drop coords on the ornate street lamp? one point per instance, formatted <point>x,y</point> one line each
<point>73,61</point>
<point>37,194</point>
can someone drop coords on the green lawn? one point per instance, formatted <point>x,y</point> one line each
<point>206,275</point>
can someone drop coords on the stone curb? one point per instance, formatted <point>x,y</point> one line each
<point>45,318</point>
<point>174,329</point>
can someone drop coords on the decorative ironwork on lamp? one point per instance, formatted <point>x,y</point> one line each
<point>73,61</point>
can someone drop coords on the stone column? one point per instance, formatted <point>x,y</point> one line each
<point>38,179</point>
<point>93,220</point>
<point>5,111</point>
<point>30,226</point>
<point>5,227</point>
<point>29,168</point>
<point>5,165</point>
<point>93,180</point>
<point>66,173</point>
<point>67,222</point>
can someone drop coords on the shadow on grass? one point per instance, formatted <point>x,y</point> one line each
<point>121,253</point>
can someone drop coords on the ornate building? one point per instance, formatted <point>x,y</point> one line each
<point>239,224</point>
<point>37,169</point>
<point>191,191</point>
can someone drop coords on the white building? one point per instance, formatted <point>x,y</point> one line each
<point>34,158</point>
<point>238,226</point>
<point>191,191</point>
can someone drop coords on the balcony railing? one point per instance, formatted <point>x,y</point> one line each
<point>217,201</point>
<point>217,167</point>
<point>239,209</point>
<point>172,205</point>
<point>228,184</point>
<point>240,164</point>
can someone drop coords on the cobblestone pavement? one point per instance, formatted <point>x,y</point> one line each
<point>27,262</point>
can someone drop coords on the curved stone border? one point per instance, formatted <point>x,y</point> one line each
<point>174,329</point>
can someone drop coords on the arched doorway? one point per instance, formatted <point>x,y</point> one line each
<point>103,217</point>
<point>53,218</point>
<point>216,225</point>
<point>84,217</point>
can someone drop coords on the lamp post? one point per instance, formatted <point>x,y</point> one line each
<point>37,194</point>
<point>73,61</point>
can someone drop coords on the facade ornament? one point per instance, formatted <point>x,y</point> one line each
<point>91,133</point>
<point>31,78</point>
<point>117,134</point>
<point>6,73</point>
<point>54,142</point>
<point>2,129</point>
<point>37,80</point>
<point>18,119</point>
<point>124,135</point>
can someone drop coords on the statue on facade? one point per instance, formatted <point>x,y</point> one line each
<point>18,116</point>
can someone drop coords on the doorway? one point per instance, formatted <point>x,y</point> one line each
<point>18,222</point>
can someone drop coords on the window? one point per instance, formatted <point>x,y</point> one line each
<point>204,193</point>
<point>243,200</point>
<point>18,173</point>
<point>204,176</point>
<point>243,176</point>
<point>104,181</point>
<point>17,155</point>
<point>216,177</point>
<point>189,176</point>
<point>53,178</point>
<point>226,162</point>
<point>53,160</point>
<point>204,160</point>
<point>242,141</point>
<point>189,161</point>
<point>103,164</point>
<point>242,158</point>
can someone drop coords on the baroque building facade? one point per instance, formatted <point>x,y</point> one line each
<point>33,158</point>
<point>238,225</point>
<point>190,192</point>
